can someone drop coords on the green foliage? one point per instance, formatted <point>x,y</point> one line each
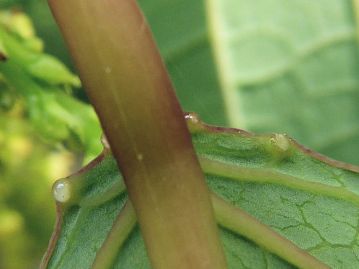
<point>284,67</point>
<point>44,84</point>
<point>291,67</point>
<point>182,36</point>
<point>26,209</point>
<point>281,66</point>
<point>309,200</point>
<point>36,109</point>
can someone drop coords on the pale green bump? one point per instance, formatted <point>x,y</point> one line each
<point>281,142</point>
<point>193,122</point>
<point>279,146</point>
<point>62,191</point>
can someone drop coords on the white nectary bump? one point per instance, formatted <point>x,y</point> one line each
<point>281,141</point>
<point>61,191</point>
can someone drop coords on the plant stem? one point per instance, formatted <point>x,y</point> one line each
<point>127,83</point>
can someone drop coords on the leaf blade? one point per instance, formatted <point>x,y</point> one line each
<point>287,210</point>
<point>290,68</point>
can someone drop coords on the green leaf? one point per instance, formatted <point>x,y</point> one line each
<point>283,67</point>
<point>181,33</point>
<point>180,29</point>
<point>44,83</point>
<point>283,85</point>
<point>291,67</point>
<point>265,187</point>
<point>52,71</point>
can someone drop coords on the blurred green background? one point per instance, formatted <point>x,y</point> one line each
<point>41,129</point>
<point>264,65</point>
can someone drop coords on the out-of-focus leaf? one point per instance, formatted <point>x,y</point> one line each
<point>17,22</point>
<point>181,33</point>
<point>297,194</point>
<point>179,27</point>
<point>11,3</point>
<point>3,53</point>
<point>43,81</point>
<point>20,24</point>
<point>27,169</point>
<point>291,66</point>
<point>7,96</point>
<point>52,71</point>
<point>298,100</point>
